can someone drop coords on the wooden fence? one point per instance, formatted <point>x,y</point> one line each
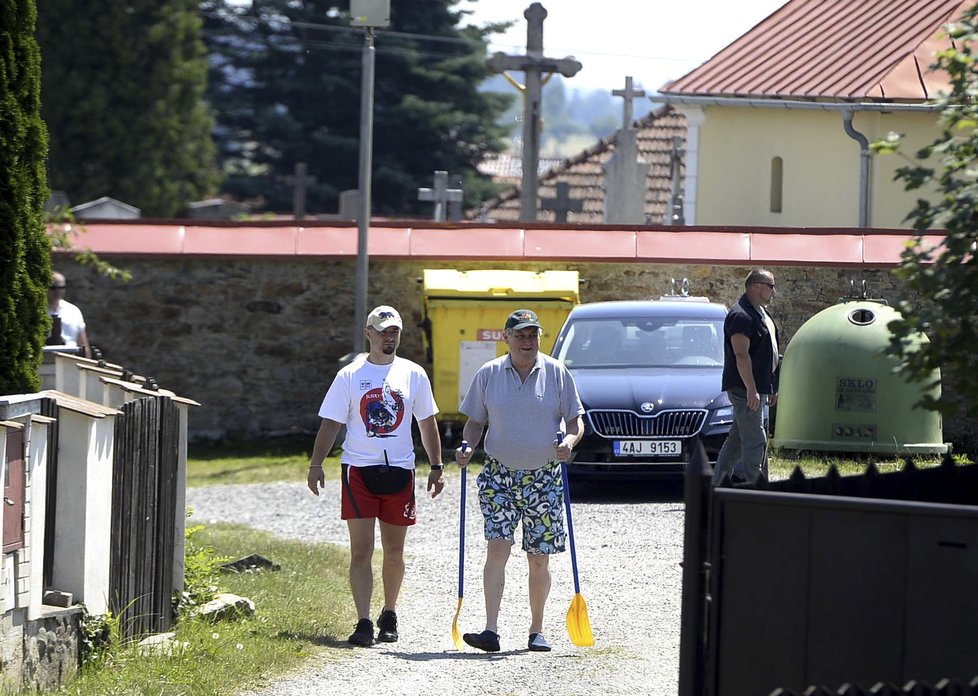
<point>144,494</point>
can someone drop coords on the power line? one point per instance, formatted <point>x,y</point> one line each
<point>332,27</point>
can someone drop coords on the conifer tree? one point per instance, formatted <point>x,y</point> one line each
<point>25,252</point>
<point>123,93</point>
<point>285,84</point>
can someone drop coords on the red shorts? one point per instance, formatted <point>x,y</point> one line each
<point>386,493</point>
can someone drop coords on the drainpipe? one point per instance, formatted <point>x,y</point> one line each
<point>863,166</point>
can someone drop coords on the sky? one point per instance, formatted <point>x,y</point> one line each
<point>654,41</point>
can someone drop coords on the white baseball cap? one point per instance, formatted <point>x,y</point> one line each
<point>384,317</point>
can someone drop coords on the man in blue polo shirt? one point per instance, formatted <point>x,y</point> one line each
<point>525,397</point>
<point>750,377</point>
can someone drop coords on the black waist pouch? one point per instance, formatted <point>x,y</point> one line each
<point>385,480</point>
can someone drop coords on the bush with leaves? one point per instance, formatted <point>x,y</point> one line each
<point>63,229</point>
<point>941,282</point>
<point>202,567</point>
<point>97,635</point>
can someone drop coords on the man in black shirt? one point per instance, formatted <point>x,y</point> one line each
<point>750,377</point>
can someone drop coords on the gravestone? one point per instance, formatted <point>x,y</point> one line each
<point>675,214</point>
<point>625,173</point>
<point>440,195</point>
<point>299,181</point>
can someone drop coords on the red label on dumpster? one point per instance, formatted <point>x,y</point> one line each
<point>489,335</point>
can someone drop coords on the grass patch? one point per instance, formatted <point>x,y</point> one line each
<point>781,463</point>
<point>300,610</point>
<point>285,459</point>
<point>267,461</point>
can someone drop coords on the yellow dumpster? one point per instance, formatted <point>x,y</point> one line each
<point>464,313</point>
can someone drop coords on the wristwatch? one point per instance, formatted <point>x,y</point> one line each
<point>437,467</point>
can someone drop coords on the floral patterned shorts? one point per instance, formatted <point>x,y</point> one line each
<point>534,497</point>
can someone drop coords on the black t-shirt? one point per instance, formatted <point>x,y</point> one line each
<point>744,318</point>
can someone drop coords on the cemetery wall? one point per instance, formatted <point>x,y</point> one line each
<point>256,340</point>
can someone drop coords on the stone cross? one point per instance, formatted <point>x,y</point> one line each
<point>299,181</point>
<point>440,194</point>
<point>563,203</point>
<point>628,94</point>
<point>534,65</point>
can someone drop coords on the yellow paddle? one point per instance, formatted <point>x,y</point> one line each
<point>578,623</point>
<point>456,635</point>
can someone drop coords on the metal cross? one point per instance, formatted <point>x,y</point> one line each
<point>299,181</point>
<point>629,95</point>
<point>676,215</point>
<point>563,203</point>
<point>440,194</point>
<point>534,65</point>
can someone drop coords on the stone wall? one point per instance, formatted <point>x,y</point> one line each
<point>257,340</point>
<point>40,654</point>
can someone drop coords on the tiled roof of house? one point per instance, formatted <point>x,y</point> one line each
<point>508,168</point>
<point>585,175</point>
<point>833,49</point>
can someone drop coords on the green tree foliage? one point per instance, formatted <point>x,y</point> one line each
<point>25,253</point>
<point>942,282</point>
<point>285,83</point>
<point>123,90</point>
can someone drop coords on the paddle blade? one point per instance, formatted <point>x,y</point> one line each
<point>578,623</point>
<point>456,635</point>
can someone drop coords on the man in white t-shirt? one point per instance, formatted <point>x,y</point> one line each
<point>72,323</point>
<point>375,397</point>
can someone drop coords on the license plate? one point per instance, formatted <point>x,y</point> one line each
<point>647,448</point>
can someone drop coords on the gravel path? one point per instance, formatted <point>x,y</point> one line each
<point>629,551</point>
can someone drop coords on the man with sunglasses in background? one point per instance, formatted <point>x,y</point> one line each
<point>750,378</point>
<point>68,324</point>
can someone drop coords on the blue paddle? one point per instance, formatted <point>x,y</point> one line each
<point>456,635</point>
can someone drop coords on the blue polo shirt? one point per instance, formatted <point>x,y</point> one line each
<point>523,417</point>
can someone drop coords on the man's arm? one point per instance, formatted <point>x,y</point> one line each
<point>431,441</point>
<point>328,430</point>
<point>83,342</point>
<point>741,348</point>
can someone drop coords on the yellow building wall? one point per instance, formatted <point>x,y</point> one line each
<point>820,167</point>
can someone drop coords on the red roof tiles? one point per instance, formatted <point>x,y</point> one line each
<point>585,175</point>
<point>833,49</point>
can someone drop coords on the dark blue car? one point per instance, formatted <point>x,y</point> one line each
<point>648,373</point>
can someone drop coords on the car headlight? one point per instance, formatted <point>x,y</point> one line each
<point>722,416</point>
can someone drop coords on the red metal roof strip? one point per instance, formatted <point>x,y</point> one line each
<point>707,245</point>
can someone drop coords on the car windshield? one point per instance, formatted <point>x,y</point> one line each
<point>643,342</point>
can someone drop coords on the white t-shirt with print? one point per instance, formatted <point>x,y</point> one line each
<point>72,322</point>
<point>376,403</point>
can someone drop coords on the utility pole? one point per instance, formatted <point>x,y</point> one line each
<point>369,14</point>
<point>535,66</point>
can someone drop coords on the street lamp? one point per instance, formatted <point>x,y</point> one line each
<point>369,14</point>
